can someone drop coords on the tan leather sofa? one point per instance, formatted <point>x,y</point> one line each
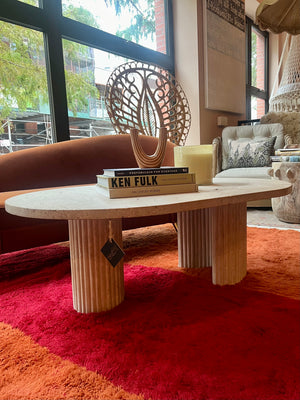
<point>66,163</point>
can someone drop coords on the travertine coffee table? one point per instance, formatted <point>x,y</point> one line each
<point>212,231</point>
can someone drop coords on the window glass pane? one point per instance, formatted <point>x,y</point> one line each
<point>31,2</point>
<point>24,102</point>
<point>257,59</point>
<point>253,107</point>
<point>87,71</point>
<point>260,109</point>
<point>140,21</point>
<point>257,107</point>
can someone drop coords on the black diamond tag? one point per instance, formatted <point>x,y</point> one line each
<point>112,251</point>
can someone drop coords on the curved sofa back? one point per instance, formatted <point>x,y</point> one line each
<point>72,162</point>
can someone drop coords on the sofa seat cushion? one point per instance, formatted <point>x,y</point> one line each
<point>254,173</point>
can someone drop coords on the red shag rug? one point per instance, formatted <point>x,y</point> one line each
<point>176,336</point>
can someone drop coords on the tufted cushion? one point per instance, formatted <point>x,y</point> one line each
<point>253,133</point>
<point>250,154</point>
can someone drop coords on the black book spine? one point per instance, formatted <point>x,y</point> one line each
<point>150,171</point>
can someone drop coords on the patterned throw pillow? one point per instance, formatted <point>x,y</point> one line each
<point>250,154</point>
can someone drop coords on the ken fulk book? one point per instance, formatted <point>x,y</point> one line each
<point>139,191</point>
<point>144,180</point>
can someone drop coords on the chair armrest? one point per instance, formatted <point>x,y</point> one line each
<point>217,155</point>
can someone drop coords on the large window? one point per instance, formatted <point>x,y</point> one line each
<point>141,21</point>
<point>257,75</point>
<point>56,56</point>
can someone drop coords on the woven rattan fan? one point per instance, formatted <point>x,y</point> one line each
<point>284,16</point>
<point>279,16</point>
<point>287,97</point>
<point>147,98</point>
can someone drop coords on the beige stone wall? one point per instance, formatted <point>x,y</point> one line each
<point>187,59</point>
<point>189,67</point>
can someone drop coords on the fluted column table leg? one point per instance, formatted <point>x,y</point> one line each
<point>194,238</point>
<point>215,237</point>
<point>96,284</point>
<point>229,243</point>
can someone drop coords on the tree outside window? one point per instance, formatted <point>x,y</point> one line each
<point>23,65</point>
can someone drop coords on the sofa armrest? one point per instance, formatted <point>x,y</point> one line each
<point>7,195</point>
<point>217,155</point>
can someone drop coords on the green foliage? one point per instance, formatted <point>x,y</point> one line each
<point>80,14</point>
<point>79,90</point>
<point>23,80</point>
<point>142,24</point>
<point>31,2</point>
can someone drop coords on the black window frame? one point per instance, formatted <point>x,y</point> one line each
<point>48,18</point>
<point>252,90</point>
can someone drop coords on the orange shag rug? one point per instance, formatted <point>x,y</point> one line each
<point>44,352</point>
<point>273,257</point>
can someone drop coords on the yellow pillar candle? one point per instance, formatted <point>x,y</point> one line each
<point>199,160</point>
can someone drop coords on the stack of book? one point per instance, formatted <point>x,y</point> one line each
<point>136,182</point>
<point>286,155</point>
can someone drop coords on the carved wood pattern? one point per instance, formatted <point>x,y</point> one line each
<point>149,161</point>
<point>146,97</point>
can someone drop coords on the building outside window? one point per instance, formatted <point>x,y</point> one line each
<point>257,75</point>
<point>57,55</point>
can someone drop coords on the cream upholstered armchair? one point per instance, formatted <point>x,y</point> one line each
<point>245,151</point>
